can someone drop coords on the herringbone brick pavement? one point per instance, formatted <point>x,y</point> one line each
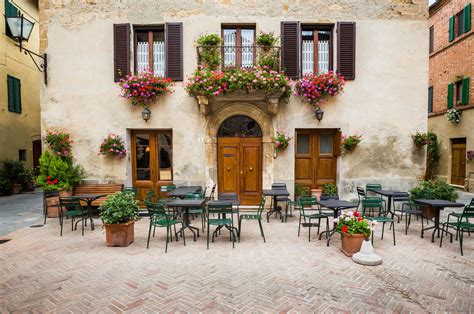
<point>42,272</point>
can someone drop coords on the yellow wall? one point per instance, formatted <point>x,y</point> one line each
<point>17,131</point>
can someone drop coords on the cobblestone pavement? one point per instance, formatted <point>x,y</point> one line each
<point>43,272</point>
<point>18,211</point>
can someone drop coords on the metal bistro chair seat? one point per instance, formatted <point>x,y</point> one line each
<point>71,207</point>
<point>407,208</point>
<point>256,216</point>
<point>196,211</point>
<point>377,204</point>
<point>308,214</point>
<point>161,219</point>
<point>460,225</point>
<point>220,209</point>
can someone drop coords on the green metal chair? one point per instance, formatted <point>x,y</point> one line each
<point>71,207</point>
<point>165,189</point>
<point>460,225</point>
<point>458,215</point>
<point>133,190</point>
<point>378,205</point>
<point>256,216</point>
<point>220,209</point>
<point>370,189</point>
<point>308,214</point>
<point>161,219</point>
<point>196,211</point>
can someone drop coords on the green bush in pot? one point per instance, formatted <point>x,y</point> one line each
<point>119,208</point>
<point>434,189</point>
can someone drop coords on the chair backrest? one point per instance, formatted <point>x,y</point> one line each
<point>213,190</point>
<point>167,188</point>
<point>328,197</point>
<point>194,196</point>
<point>157,212</point>
<point>371,187</point>
<point>306,202</point>
<point>468,212</point>
<point>151,197</point>
<point>228,196</point>
<point>220,208</point>
<point>360,192</point>
<point>70,202</point>
<point>472,202</point>
<point>279,186</point>
<point>373,205</point>
<point>133,190</point>
<point>205,191</point>
<point>261,207</point>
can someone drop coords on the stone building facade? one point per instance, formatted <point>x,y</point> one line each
<point>452,67</point>
<point>20,134</point>
<point>386,100</point>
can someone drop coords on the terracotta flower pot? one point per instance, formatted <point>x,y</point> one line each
<point>15,189</point>
<point>119,234</point>
<point>351,243</point>
<point>63,193</point>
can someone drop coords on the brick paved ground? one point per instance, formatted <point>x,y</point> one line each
<point>43,272</point>
<point>18,211</point>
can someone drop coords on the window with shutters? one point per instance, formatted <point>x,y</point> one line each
<point>461,91</point>
<point>238,45</point>
<point>14,94</point>
<point>430,99</point>
<point>460,23</point>
<point>458,92</point>
<point>431,39</point>
<point>150,50</point>
<point>316,49</point>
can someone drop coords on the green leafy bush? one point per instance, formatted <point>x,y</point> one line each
<point>432,154</point>
<point>434,189</point>
<point>266,39</point>
<point>209,50</point>
<point>5,184</point>
<point>330,189</point>
<point>119,208</point>
<point>300,189</point>
<point>57,173</point>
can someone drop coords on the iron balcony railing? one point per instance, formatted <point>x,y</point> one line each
<point>239,56</point>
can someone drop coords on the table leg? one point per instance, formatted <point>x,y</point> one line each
<point>187,224</point>
<point>89,207</point>
<point>329,233</point>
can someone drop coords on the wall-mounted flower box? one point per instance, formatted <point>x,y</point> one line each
<point>144,88</point>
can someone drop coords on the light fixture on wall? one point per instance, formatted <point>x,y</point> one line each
<point>146,114</point>
<point>20,29</point>
<point>319,114</point>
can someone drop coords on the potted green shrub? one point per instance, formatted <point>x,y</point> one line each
<point>329,189</point>
<point>433,189</point>
<point>209,50</point>
<point>268,54</point>
<point>13,171</point>
<point>300,190</point>
<point>119,213</point>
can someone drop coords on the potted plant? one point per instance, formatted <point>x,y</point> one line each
<point>420,139</point>
<point>113,145</point>
<point>144,88</point>
<point>280,141</point>
<point>453,115</point>
<point>209,50</point>
<point>329,189</point>
<point>349,142</point>
<point>300,190</point>
<point>14,173</point>
<point>433,189</point>
<point>353,229</point>
<point>119,213</point>
<point>5,185</point>
<point>60,143</point>
<point>469,155</point>
<point>268,54</point>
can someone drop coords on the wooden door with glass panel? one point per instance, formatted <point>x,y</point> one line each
<point>316,157</point>
<point>152,162</point>
<point>458,161</point>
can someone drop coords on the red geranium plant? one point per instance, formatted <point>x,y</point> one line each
<point>59,141</point>
<point>353,223</point>
<point>144,87</point>
<point>113,145</point>
<point>313,88</point>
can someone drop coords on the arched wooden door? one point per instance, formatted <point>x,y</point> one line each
<point>239,159</point>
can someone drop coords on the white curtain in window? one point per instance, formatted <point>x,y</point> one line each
<point>307,53</point>
<point>323,56</point>
<point>142,57</point>
<point>230,56</point>
<point>159,58</point>
<point>247,47</point>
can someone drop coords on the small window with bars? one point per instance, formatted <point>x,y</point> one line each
<point>316,49</point>
<point>150,51</point>
<point>239,46</point>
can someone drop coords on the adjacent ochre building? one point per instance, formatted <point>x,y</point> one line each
<point>19,89</point>
<point>451,86</point>
<point>381,46</point>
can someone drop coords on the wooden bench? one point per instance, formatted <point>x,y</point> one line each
<point>100,189</point>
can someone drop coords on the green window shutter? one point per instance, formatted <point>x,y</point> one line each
<point>451,28</point>
<point>467,18</point>
<point>17,96</point>
<point>10,9</point>
<point>450,95</point>
<point>11,93</point>
<point>430,99</point>
<point>465,91</point>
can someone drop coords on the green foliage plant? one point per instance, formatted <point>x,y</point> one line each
<point>119,208</point>
<point>209,50</point>
<point>434,189</point>
<point>329,189</point>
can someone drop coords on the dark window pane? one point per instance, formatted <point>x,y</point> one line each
<point>142,36</point>
<point>159,36</point>
<point>239,126</point>
<point>302,144</point>
<point>22,155</point>
<point>143,156</point>
<point>325,144</point>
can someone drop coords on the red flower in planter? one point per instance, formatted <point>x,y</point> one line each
<point>356,214</point>
<point>359,218</point>
<point>344,229</point>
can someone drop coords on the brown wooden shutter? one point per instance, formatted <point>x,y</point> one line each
<point>337,140</point>
<point>346,49</point>
<point>290,50</point>
<point>174,51</point>
<point>121,51</point>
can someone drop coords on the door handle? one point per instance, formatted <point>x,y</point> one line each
<point>251,168</point>
<point>228,168</point>
<point>241,172</point>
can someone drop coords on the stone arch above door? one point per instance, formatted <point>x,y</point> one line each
<point>218,117</point>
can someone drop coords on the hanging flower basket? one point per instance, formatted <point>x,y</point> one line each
<point>453,116</point>
<point>469,155</point>
<point>59,141</point>
<point>314,88</point>
<point>144,88</point>
<point>280,141</point>
<point>420,139</point>
<point>113,145</point>
<point>349,142</point>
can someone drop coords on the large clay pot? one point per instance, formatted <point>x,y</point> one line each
<point>316,193</point>
<point>64,193</point>
<point>351,243</point>
<point>53,207</point>
<point>428,212</point>
<point>119,234</point>
<point>15,189</point>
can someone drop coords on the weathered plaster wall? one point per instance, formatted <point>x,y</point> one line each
<point>446,131</point>
<point>17,131</point>
<point>387,101</point>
